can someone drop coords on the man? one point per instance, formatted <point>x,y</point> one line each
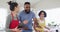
<point>26,17</point>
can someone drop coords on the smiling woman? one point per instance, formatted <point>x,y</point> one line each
<point>3,14</point>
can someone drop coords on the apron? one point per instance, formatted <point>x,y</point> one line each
<point>14,23</point>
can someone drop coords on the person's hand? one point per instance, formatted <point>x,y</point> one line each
<point>25,21</point>
<point>15,29</point>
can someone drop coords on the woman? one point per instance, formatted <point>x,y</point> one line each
<point>12,20</point>
<point>41,27</point>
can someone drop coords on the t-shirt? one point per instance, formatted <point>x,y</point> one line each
<point>24,16</point>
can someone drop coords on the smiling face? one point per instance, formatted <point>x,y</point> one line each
<point>42,15</point>
<point>27,8</point>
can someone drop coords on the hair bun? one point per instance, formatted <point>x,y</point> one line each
<point>10,2</point>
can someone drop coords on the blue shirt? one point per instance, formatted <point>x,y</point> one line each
<point>24,16</point>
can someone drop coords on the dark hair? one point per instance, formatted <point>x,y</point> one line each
<point>41,12</point>
<point>12,5</point>
<point>27,3</point>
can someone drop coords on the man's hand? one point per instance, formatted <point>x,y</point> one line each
<point>25,21</point>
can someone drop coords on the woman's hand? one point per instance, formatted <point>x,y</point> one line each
<point>15,30</point>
